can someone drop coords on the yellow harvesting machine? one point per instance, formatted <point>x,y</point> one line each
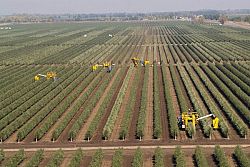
<point>49,75</point>
<point>136,62</point>
<point>193,117</point>
<point>107,65</point>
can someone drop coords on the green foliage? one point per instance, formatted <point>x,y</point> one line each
<point>181,99</point>
<point>117,158</point>
<point>220,157</point>
<point>143,107</point>
<point>197,53</point>
<point>104,105</point>
<point>171,112</point>
<point>70,94</point>
<point>138,158</point>
<point>89,107</point>
<point>17,91</point>
<point>246,19</point>
<point>233,88</point>
<point>31,107</point>
<point>194,56</point>
<point>241,157</point>
<point>235,79</point>
<point>75,108</point>
<point>130,105</point>
<point>211,105</point>
<point>238,73</point>
<point>200,158</point>
<point>190,130</point>
<point>159,157</point>
<point>2,155</point>
<point>97,159</point>
<point>77,157</point>
<point>16,159</point>
<point>51,99</point>
<point>238,123</point>
<point>56,159</point>
<point>108,128</point>
<point>196,101</point>
<point>157,131</point>
<point>36,159</point>
<point>241,69</point>
<point>179,157</point>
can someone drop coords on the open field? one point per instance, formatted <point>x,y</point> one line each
<point>244,25</point>
<point>198,67</point>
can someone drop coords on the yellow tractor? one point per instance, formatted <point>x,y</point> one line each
<point>193,117</point>
<point>136,61</point>
<point>106,64</point>
<point>49,75</point>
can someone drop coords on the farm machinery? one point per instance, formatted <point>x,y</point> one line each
<point>136,62</point>
<point>193,117</point>
<point>48,76</point>
<point>107,65</point>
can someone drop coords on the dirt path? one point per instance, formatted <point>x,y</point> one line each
<point>25,161</point>
<point>148,160</point>
<point>237,24</point>
<point>66,161</point>
<point>69,147</point>
<point>107,161</point>
<point>231,161</point>
<point>85,127</point>
<point>168,159</point>
<point>12,138</point>
<point>210,160</point>
<point>189,160</point>
<point>127,161</point>
<point>164,117</point>
<point>115,133</point>
<point>148,131</point>
<point>46,159</point>
<point>48,135</point>
<point>86,161</point>
<point>135,112</point>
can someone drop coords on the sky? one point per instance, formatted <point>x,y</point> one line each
<point>109,6</point>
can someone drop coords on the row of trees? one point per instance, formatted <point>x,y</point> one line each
<point>30,107</point>
<point>104,105</point>
<point>109,126</point>
<point>90,106</point>
<point>130,105</point>
<point>46,105</point>
<point>78,104</point>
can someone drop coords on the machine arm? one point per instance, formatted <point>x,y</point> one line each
<point>210,115</point>
<point>42,75</point>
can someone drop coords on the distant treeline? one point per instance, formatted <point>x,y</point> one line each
<point>207,14</point>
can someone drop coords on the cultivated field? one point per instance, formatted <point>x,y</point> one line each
<point>197,67</point>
